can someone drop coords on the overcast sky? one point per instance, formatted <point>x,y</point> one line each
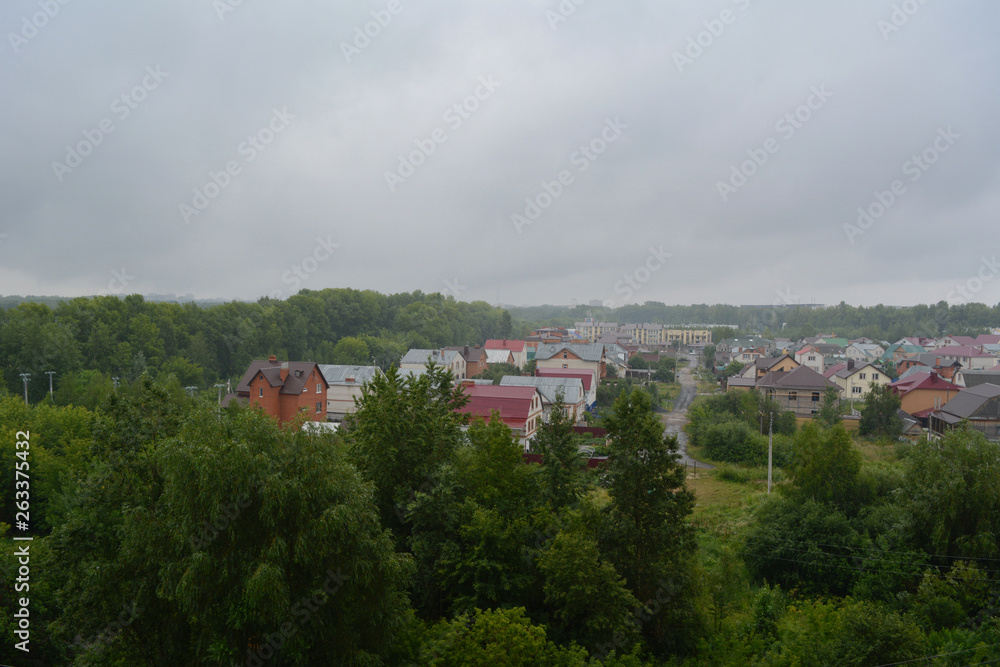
<point>680,151</point>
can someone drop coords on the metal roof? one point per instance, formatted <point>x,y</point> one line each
<point>338,374</point>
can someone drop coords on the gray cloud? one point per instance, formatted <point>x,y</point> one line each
<point>700,91</point>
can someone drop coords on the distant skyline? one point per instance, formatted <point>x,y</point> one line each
<point>523,152</point>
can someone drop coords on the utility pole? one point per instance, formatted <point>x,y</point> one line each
<point>770,442</point>
<point>50,374</point>
<point>115,381</point>
<point>25,377</point>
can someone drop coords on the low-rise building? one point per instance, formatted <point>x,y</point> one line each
<point>572,356</point>
<point>978,406</point>
<point>520,408</point>
<point>417,359</point>
<point>517,348</point>
<point>284,389</point>
<point>856,379</point>
<point>800,390</point>
<point>922,393</point>
<point>345,383</point>
<point>549,388</point>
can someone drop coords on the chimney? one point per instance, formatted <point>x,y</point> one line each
<point>349,378</point>
<point>273,359</point>
<point>284,370</point>
<point>937,362</point>
<point>468,383</point>
<point>850,364</point>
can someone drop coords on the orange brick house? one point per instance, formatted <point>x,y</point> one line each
<point>285,389</point>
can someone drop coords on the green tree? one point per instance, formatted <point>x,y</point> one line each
<point>350,351</point>
<point>402,431</point>
<point>879,418</point>
<point>829,410</point>
<point>647,533</point>
<point>709,356</point>
<point>826,467</point>
<point>562,466</point>
<point>501,637</point>
<point>952,495</point>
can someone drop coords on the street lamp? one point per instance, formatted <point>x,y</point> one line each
<point>25,377</point>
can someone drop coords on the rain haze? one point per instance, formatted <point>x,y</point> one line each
<point>520,152</point>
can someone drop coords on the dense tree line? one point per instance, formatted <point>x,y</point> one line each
<point>87,341</point>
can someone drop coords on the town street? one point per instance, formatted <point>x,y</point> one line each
<point>675,420</point>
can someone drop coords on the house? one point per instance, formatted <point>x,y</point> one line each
<point>897,351</point>
<point>911,425</point>
<point>977,406</point>
<point>499,357</point>
<point>731,349</point>
<point>863,352</point>
<point>474,356</point>
<point>572,356</point>
<point>800,390</point>
<point>809,356</point>
<point>588,378</point>
<point>972,358</point>
<point>975,378</point>
<point>549,388</point>
<point>417,359</point>
<point>517,348</point>
<point>945,368</point>
<point>345,383</point>
<point>688,336</point>
<point>284,390</point>
<point>856,379</point>
<point>924,392</point>
<point>764,365</point>
<point>617,356</point>
<point>520,408</point>
<point>740,383</point>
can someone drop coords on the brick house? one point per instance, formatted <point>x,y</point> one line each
<point>800,390</point>
<point>285,389</point>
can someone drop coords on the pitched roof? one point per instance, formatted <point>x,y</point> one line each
<point>298,373</point>
<point>471,354</point>
<point>802,377</point>
<point>586,376</point>
<point>930,359</point>
<point>512,345</point>
<point>338,375</point>
<point>499,357</point>
<point>437,357</point>
<point>586,351</point>
<point>960,351</point>
<point>513,403</point>
<point>833,370</point>
<point>923,381</point>
<point>976,378</point>
<point>971,400</point>
<point>988,339</point>
<point>548,387</point>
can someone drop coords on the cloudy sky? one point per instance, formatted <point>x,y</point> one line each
<point>526,151</point>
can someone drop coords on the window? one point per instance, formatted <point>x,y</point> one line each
<point>815,397</point>
<point>793,396</point>
<point>874,376</point>
<point>565,365</point>
<point>319,389</point>
<point>564,356</point>
<point>864,376</point>
<point>812,357</point>
<point>319,406</point>
<point>261,390</point>
<point>855,390</point>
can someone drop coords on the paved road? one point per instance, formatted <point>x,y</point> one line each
<point>677,418</point>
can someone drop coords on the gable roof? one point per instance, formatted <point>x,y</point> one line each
<point>923,381</point>
<point>548,387</point>
<point>336,374</point>
<point>437,357</point>
<point>976,378</point>
<point>587,377</point>
<point>960,351</point>
<point>513,403</point>
<point>298,373</point>
<point>970,400</point>
<point>499,356</point>
<point>593,352</point>
<point>802,377</point>
<point>512,345</point>
<point>931,360</point>
<point>471,354</point>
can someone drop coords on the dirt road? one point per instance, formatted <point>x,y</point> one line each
<point>675,420</point>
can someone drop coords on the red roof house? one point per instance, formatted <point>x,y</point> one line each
<point>284,389</point>
<point>520,408</point>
